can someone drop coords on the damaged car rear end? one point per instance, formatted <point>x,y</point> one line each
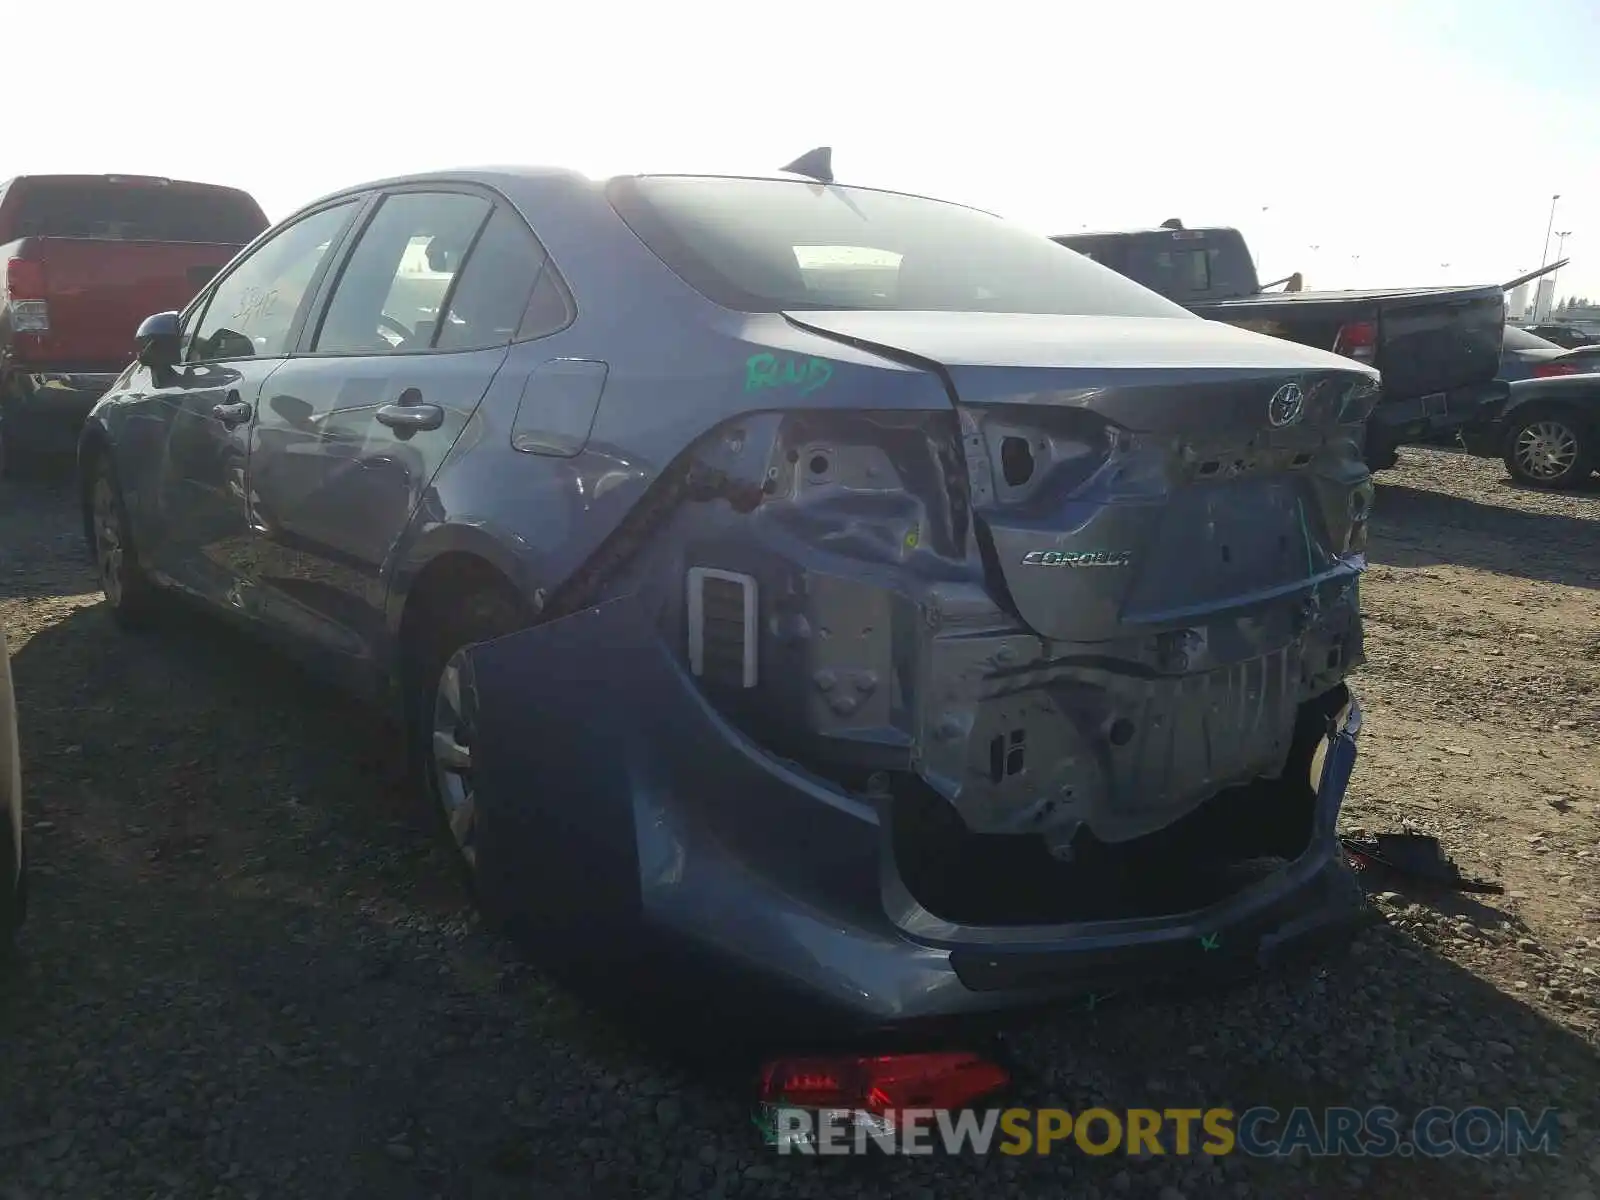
<point>969,626</point>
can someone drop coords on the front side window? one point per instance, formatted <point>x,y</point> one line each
<point>252,311</point>
<point>398,279</point>
<point>765,245</point>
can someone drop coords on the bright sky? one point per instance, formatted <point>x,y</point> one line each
<point>1410,133</point>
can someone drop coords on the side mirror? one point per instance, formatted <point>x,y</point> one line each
<point>159,341</point>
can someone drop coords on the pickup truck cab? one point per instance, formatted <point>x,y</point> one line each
<point>1438,349</point>
<point>85,259</point>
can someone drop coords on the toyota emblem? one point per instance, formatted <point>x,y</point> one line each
<point>1287,405</point>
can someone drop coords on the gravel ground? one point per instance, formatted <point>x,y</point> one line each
<point>248,972</point>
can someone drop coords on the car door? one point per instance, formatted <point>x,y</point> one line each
<point>416,323</point>
<point>236,336</point>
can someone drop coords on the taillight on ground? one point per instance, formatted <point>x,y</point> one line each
<point>1550,370</point>
<point>881,1084</point>
<point>1358,340</point>
<point>25,296</point>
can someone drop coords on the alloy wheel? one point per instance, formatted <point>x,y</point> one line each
<point>1546,449</point>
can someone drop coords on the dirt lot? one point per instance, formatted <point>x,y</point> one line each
<point>248,973</point>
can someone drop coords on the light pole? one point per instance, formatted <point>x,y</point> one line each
<point>1544,256</point>
<point>1561,241</point>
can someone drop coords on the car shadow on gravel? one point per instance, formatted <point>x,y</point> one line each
<point>1414,527</point>
<point>248,967</point>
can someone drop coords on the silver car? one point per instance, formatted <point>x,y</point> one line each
<point>848,590</point>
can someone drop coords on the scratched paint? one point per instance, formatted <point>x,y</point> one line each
<point>762,371</point>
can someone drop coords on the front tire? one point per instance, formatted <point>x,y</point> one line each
<point>130,596</point>
<point>1548,448</point>
<point>442,714</point>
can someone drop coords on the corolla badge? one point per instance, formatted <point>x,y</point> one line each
<point>1288,405</point>
<point>1077,558</point>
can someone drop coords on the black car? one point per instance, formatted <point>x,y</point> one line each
<point>1568,337</point>
<point>1548,431</point>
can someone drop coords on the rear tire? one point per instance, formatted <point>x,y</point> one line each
<point>441,710</point>
<point>130,596</point>
<point>1549,448</point>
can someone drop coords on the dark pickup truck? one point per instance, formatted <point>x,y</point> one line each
<point>1438,348</point>
<point>85,259</point>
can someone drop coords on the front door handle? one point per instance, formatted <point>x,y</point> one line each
<point>234,413</point>
<point>408,418</point>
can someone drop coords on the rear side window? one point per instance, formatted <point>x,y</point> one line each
<point>495,289</point>
<point>133,212</point>
<point>765,245</point>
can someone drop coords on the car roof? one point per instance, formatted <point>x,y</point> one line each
<point>524,179</point>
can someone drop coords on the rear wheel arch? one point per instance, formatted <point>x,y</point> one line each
<point>448,580</point>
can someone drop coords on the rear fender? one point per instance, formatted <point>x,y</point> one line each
<point>607,785</point>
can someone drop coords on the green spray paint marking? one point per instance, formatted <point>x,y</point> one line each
<point>766,371</point>
<point>1211,941</point>
<point>1305,532</point>
<point>763,1121</point>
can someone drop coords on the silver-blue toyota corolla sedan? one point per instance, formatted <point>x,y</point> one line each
<point>847,589</point>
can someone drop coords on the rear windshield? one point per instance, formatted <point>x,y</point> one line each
<point>1182,264</point>
<point>765,245</point>
<point>133,212</point>
<point>1521,339</point>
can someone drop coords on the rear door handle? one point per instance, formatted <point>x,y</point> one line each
<point>235,412</point>
<point>409,418</point>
